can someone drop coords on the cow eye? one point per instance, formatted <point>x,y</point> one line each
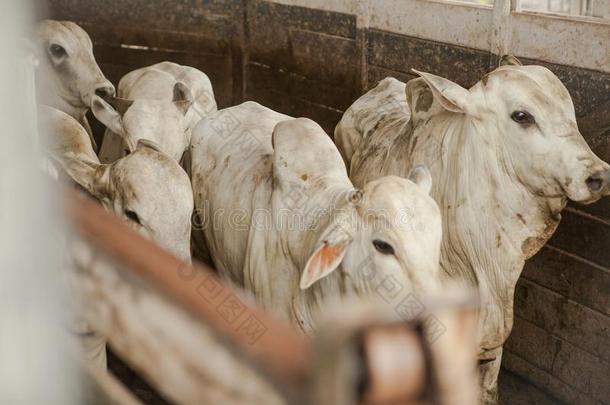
<point>383,247</point>
<point>522,117</point>
<point>57,51</point>
<point>132,216</point>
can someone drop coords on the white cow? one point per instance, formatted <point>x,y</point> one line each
<point>147,188</point>
<point>68,76</point>
<point>282,219</point>
<point>505,156</point>
<point>151,115</point>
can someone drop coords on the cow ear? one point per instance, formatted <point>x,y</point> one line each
<point>450,95</point>
<point>92,176</point>
<point>183,98</point>
<point>420,100</point>
<point>121,105</point>
<point>147,143</point>
<point>421,176</point>
<point>107,115</point>
<point>323,261</point>
<point>509,60</point>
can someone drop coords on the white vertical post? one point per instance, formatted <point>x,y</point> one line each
<point>36,366</point>
<point>501,35</point>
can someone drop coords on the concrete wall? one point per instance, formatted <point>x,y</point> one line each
<point>315,63</point>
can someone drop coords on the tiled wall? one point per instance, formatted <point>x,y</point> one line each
<point>314,63</point>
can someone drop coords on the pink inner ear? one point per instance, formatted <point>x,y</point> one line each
<point>322,262</point>
<point>329,253</point>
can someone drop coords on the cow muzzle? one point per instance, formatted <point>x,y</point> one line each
<point>599,183</point>
<point>107,90</point>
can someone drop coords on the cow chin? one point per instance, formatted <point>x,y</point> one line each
<point>590,200</point>
<point>87,99</point>
<point>582,195</point>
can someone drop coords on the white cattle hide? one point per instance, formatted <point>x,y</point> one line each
<point>282,219</point>
<point>68,76</point>
<point>146,188</point>
<point>151,114</point>
<point>505,157</point>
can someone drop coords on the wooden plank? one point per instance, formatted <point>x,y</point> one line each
<point>545,381</point>
<point>566,319</point>
<point>584,236</point>
<point>326,117</point>
<point>583,371</point>
<point>515,390</point>
<point>402,53</point>
<point>292,85</point>
<point>532,343</point>
<point>211,17</point>
<point>293,38</point>
<point>599,210</point>
<point>263,13</point>
<point>310,56</point>
<point>571,277</point>
<point>193,43</point>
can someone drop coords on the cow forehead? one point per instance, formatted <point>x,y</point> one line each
<point>394,195</point>
<point>151,84</point>
<point>146,172</point>
<point>528,81</point>
<point>158,113</point>
<point>65,31</point>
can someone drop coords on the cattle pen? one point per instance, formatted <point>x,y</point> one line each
<point>182,331</point>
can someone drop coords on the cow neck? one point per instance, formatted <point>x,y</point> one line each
<point>328,193</point>
<point>492,222</point>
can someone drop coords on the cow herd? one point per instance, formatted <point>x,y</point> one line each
<point>426,184</point>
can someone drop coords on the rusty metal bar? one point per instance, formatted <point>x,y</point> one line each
<point>281,349</point>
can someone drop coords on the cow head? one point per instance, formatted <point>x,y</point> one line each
<point>69,76</point>
<point>387,235</point>
<point>161,121</point>
<point>528,117</point>
<point>146,188</point>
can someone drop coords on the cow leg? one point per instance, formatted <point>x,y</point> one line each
<point>488,376</point>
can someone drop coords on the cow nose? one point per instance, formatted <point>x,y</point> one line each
<point>598,182</point>
<point>105,91</point>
